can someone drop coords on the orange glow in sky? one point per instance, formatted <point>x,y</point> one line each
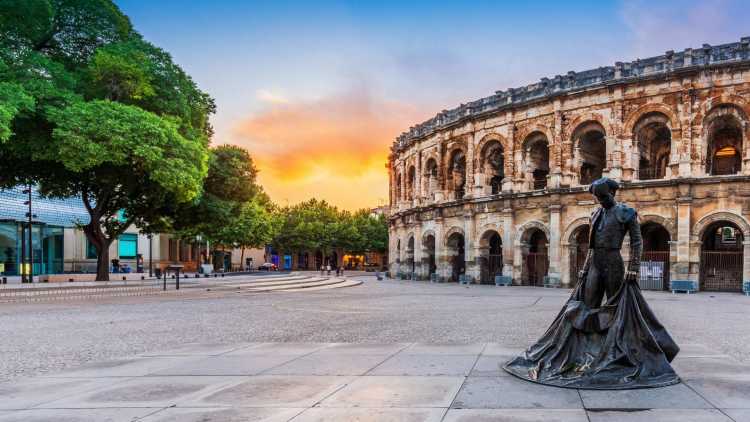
<point>335,148</point>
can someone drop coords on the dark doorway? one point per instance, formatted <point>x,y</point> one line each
<point>721,258</point>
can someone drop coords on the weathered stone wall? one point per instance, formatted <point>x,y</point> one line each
<point>703,108</point>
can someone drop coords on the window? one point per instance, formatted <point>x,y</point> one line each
<point>128,246</point>
<point>90,250</point>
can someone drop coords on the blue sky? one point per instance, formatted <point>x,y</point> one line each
<point>316,91</point>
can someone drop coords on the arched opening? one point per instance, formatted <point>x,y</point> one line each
<point>721,258</point>
<point>579,248</point>
<point>456,255</point>
<point>409,258</point>
<point>398,254</point>
<point>536,157</point>
<point>429,261</point>
<point>654,141</point>
<point>431,176</point>
<point>591,151</point>
<point>654,271</point>
<point>492,164</point>
<point>724,141</point>
<point>318,260</point>
<point>491,257</point>
<point>457,173</point>
<point>411,178</point>
<point>535,258</point>
<point>397,190</point>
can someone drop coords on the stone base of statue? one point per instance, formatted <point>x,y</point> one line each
<point>620,345</point>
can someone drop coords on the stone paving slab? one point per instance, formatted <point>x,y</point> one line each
<point>393,391</point>
<point>515,415</point>
<point>77,415</point>
<point>361,382</point>
<point>426,365</point>
<point>371,415</point>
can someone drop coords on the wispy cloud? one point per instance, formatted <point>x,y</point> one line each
<point>266,96</point>
<point>334,148</point>
<point>677,24</point>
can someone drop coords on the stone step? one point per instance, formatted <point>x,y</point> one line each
<point>346,283</point>
<point>297,286</point>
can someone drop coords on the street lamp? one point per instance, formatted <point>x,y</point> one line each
<point>150,255</point>
<point>31,218</point>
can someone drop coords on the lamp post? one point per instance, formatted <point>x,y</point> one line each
<point>30,217</point>
<point>150,255</point>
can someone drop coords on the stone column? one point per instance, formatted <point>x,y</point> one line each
<point>469,247</point>
<point>683,268</point>
<point>746,260</point>
<point>440,254</point>
<point>554,242</point>
<point>508,246</point>
<point>569,249</point>
<point>418,252</point>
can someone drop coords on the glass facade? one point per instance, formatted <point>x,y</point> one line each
<point>51,216</point>
<point>46,245</point>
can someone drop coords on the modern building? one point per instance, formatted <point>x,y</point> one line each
<point>498,186</point>
<point>59,246</point>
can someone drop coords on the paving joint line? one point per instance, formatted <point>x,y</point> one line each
<point>367,373</point>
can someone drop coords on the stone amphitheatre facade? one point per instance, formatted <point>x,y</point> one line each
<point>498,186</point>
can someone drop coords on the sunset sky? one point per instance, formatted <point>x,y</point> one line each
<point>317,91</point>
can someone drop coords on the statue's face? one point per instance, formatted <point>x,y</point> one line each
<point>603,195</point>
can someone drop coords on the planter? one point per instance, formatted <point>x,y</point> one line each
<point>503,280</point>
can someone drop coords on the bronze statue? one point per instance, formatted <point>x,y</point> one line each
<point>616,345</point>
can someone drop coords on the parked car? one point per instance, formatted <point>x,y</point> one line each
<point>268,266</point>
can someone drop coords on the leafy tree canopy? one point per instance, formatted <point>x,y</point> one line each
<point>90,109</point>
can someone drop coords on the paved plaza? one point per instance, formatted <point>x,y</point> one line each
<point>380,351</point>
<point>361,382</point>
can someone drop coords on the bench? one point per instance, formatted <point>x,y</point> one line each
<point>551,281</point>
<point>464,279</point>
<point>687,286</point>
<point>503,280</point>
<point>746,288</point>
<point>434,278</point>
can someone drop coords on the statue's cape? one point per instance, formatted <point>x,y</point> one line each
<point>620,345</point>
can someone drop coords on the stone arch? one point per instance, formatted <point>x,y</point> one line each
<point>589,140</point>
<point>486,230</point>
<point>526,131</point>
<point>536,162</point>
<point>667,223</point>
<point>523,231</point>
<point>490,255</point>
<point>453,230</point>
<point>574,253</point>
<point>488,139</point>
<point>673,121</point>
<point>411,182</point>
<point>573,226</point>
<point>721,100</point>
<point>653,142</point>
<point>490,163</point>
<point>707,220</point>
<point>723,251</point>
<point>533,256</point>
<point>724,127</point>
<point>428,243</point>
<point>581,119</point>
<point>456,172</point>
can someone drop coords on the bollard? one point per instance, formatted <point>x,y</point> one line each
<point>177,281</point>
<point>165,281</point>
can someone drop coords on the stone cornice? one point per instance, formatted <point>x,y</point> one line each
<point>670,63</point>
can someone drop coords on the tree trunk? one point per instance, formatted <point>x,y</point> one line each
<point>102,264</point>
<point>242,259</point>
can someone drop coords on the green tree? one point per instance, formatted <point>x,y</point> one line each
<point>253,227</point>
<point>90,109</point>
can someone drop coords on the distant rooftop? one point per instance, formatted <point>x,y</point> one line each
<point>578,81</point>
<point>57,212</point>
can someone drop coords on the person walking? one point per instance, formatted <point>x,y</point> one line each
<point>328,268</point>
<point>322,269</point>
